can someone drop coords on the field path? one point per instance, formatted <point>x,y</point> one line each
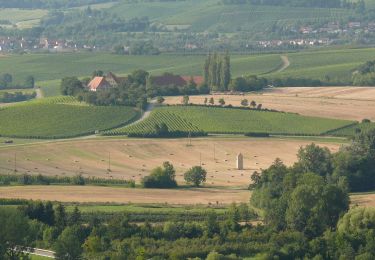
<point>147,112</point>
<point>39,93</point>
<point>285,65</point>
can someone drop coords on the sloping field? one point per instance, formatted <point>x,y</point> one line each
<point>208,15</point>
<point>352,130</point>
<point>233,121</point>
<point>334,64</point>
<point>133,159</point>
<point>51,119</point>
<point>23,18</point>
<point>350,103</point>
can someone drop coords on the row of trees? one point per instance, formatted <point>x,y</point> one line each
<point>7,82</point>
<point>7,97</point>
<point>217,71</point>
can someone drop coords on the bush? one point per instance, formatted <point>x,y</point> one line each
<point>161,177</point>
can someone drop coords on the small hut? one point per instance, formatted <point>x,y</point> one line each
<point>240,161</point>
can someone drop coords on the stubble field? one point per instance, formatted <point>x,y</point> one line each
<point>135,158</point>
<point>350,103</point>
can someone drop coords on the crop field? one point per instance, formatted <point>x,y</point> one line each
<point>121,195</point>
<point>352,130</point>
<point>41,119</point>
<point>231,121</point>
<point>349,103</point>
<point>135,158</point>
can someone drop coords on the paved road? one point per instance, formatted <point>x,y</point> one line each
<point>146,113</point>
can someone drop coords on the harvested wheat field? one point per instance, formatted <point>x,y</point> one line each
<point>124,195</point>
<point>367,200</point>
<point>352,103</point>
<point>135,158</point>
<point>127,195</point>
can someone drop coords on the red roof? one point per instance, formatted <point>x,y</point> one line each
<point>176,80</point>
<point>199,80</point>
<point>96,83</point>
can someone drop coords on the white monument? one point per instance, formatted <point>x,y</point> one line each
<point>240,161</point>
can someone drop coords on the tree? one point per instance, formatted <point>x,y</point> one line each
<point>196,176</point>
<point>253,104</point>
<point>212,101</point>
<point>313,158</point>
<point>14,233</point>
<point>161,177</point>
<point>71,86</point>
<point>60,217</point>
<point>161,130</point>
<point>222,101</point>
<point>69,244</point>
<point>30,82</point>
<point>185,100</point>
<point>97,73</point>
<point>75,217</point>
<point>205,101</point>
<point>244,102</point>
<point>160,100</point>
<point>92,246</point>
<point>259,107</point>
<point>139,77</point>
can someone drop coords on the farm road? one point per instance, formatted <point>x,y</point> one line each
<point>285,65</point>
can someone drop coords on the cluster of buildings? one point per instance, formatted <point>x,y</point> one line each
<point>110,80</point>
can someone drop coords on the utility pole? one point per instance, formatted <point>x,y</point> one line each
<point>15,162</point>
<point>109,161</point>
<point>214,153</point>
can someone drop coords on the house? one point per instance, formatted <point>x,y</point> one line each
<point>114,80</point>
<point>98,83</point>
<point>108,81</point>
<point>175,80</point>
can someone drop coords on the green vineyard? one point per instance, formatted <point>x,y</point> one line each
<point>173,121</point>
<point>41,119</point>
<point>353,130</point>
<point>230,121</point>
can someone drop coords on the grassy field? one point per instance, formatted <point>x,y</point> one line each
<point>236,121</point>
<point>132,159</point>
<point>23,18</point>
<point>52,118</point>
<point>336,64</point>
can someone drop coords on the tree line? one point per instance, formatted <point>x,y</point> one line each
<point>217,71</point>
